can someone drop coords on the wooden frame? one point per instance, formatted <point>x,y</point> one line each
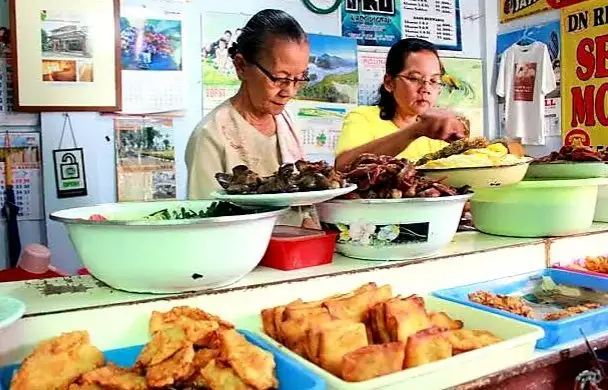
<point>86,82</point>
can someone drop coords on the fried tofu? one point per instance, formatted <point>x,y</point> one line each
<point>356,307</point>
<point>442,320</point>
<point>398,318</point>
<point>251,363</point>
<point>336,341</point>
<point>221,377</point>
<point>293,332</point>
<point>465,340</point>
<point>57,362</point>
<point>427,346</point>
<point>173,370</point>
<point>373,361</point>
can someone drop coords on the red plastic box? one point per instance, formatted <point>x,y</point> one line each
<point>293,248</point>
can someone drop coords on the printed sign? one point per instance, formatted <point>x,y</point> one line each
<point>515,9</point>
<point>371,22</point>
<point>585,74</point>
<point>70,177</point>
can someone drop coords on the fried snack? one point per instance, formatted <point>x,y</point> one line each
<point>163,344</point>
<point>272,319</point>
<point>464,340</point>
<point>442,320</point>
<point>571,311</point>
<point>356,307</point>
<point>336,341</point>
<point>427,346</point>
<point>597,264</point>
<point>515,305</point>
<point>197,324</point>
<point>373,361</point>
<point>312,341</point>
<point>221,377</point>
<point>113,377</point>
<point>293,332</point>
<point>402,317</point>
<point>175,369</point>
<point>57,362</point>
<point>202,357</point>
<point>251,363</point>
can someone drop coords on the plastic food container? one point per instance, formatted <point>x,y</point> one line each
<point>567,170</point>
<point>293,248</point>
<point>579,262</point>
<point>542,208</point>
<point>393,229</point>
<point>556,332</point>
<point>517,347</point>
<point>480,177</point>
<point>601,208</point>
<point>291,374</point>
<point>130,253</point>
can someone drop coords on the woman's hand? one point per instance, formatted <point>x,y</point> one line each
<point>439,124</point>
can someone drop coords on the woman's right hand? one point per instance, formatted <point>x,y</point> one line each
<point>439,124</point>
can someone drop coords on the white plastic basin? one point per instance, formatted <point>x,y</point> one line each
<point>167,256</point>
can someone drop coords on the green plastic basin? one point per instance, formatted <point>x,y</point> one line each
<point>536,208</point>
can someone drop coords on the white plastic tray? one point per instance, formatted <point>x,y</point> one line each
<point>517,347</point>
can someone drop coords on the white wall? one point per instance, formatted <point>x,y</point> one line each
<point>91,129</point>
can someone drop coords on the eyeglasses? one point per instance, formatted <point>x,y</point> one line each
<point>420,81</point>
<point>283,82</point>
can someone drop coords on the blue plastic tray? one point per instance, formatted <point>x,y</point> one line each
<point>291,374</point>
<point>556,332</point>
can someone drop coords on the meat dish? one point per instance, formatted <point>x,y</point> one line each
<point>573,154</point>
<point>300,176</point>
<point>385,177</point>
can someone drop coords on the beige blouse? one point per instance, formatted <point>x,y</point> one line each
<point>224,139</point>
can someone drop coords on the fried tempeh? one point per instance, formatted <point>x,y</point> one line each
<point>251,363</point>
<point>57,362</point>
<point>221,377</point>
<point>373,361</point>
<point>427,346</point>
<point>173,370</point>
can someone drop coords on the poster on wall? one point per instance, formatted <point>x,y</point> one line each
<point>515,9</point>
<point>371,67</point>
<point>372,23</point>
<point>549,34</point>
<point>584,74</point>
<point>145,159</point>
<point>463,91</point>
<point>437,21</point>
<point>27,177</point>
<point>219,31</point>
<point>332,70</point>
<point>320,125</point>
<point>151,59</point>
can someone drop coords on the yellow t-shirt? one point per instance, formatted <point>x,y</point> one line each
<point>363,125</point>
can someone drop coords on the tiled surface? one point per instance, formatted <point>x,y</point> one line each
<point>83,291</point>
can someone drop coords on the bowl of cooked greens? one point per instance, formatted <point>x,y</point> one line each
<point>169,246</point>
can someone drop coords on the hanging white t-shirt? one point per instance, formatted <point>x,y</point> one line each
<point>525,77</point>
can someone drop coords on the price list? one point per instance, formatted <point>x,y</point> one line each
<point>436,21</point>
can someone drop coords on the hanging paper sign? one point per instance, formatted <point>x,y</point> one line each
<point>70,177</point>
<point>515,9</point>
<point>585,74</point>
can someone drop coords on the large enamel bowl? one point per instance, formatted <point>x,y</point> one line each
<point>167,256</point>
<point>393,229</point>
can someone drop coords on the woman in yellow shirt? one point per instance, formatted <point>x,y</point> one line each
<point>403,123</point>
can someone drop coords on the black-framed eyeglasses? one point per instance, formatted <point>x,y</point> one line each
<point>434,83</point>
<point>282,82</point>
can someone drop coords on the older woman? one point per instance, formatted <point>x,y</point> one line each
<point>252,128</point>
<point>403,123</point>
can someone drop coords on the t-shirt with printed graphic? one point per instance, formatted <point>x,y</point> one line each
<point>525,77</point>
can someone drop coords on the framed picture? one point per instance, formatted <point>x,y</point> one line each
<point>66,56</point>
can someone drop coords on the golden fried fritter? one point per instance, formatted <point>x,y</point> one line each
<point>58,362</point>
<point>177,368</point>
<point>197,324</point>
<point>115,378</point>
<point>221,377</point>
<point>164,344</point>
